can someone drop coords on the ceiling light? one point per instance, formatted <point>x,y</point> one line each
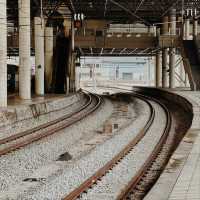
<point>109,35</point>
<point>119,35</point>
<point>128,35</point>
<point>138,35</point>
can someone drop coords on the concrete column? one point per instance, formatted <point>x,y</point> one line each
<point>158,70</point>
<point>77,78</point>
<point>67,27</point>
<point>72,57</point>
<point>39,55</point>
<point>195,27</point>
<point>180,26</point>
<point>24,49</point>
<point>187,29</point>
<point>172,20</point>
<point>182,75</point>
<point>172,63</point>
<point>3,54</point>
<point>48,56</point>
<point>164,67</point>
<point>72,73</point>
<point>165,26</point>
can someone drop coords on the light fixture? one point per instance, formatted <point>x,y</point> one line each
<point>138,35</point>
<point>119,35</point>
<point>128,35</point>
<point>109,35</point>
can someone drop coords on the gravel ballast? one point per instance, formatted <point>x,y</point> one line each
<point>25,162</point>
<point>111,185</point>
<point>75,173</point>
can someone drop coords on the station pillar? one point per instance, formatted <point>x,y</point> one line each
<point>182,75</point>
<point>24,49</point>
<point>172,21</point>
<point>172,51</point>
<point>172,63</point>
<point>187,29</point>
<point>48,57</point>
<point>158,70</point>
<point>67,27</point>
<point>164,31</point>
<point>195,27</point>
<point>39,55</point>
<point>165,26</point>
<point>164,67</point>
<point>73,57</point>
<point>3,54</point>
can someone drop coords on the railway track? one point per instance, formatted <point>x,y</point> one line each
<point>25,138</point>
<point>96,178</point>
<point>138,184</point>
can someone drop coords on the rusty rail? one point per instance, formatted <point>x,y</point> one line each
<point>72,118</point>
<point>101,172</point>
<point>132,185</point>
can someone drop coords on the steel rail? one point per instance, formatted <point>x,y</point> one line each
<point>125,151</point>
<point>132,185</point>
<point>129,189</point>
<point>72,118</point>
<point>30,131</point>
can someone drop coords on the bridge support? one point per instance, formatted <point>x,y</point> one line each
<point>24,50</point>
<point>39,55</point>
<point>3,53</point>
<point>48,57</point>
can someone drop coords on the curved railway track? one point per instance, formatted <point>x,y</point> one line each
<point>89,183</point>
<point>137,180</point>
<point>25,138</point>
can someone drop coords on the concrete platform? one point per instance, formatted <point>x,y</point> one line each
<point>15,101</point>
<point>181,178</point>
<point>187,186</point>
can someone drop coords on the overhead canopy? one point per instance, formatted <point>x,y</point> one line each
<point>120,11</point>
<point>148,11</point>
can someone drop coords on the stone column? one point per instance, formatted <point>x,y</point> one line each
<point>172,63</point>
<point>39,55</point>
<point>24,49</point>
<point>158,70</point>
<point>48,57</point>
<point>3,54</point>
